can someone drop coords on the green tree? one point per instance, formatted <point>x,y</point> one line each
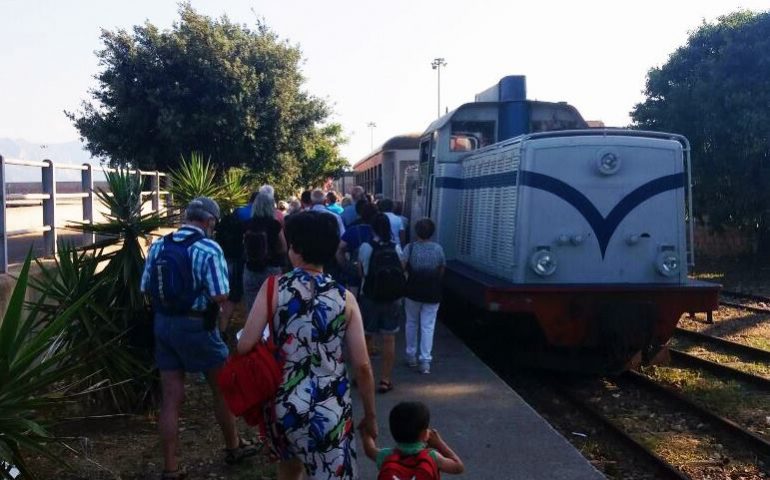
<point>208,85</point>
<point>716,91</point>
<point>320,158</point>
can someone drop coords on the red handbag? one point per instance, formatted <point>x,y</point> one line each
<point>249,381</point>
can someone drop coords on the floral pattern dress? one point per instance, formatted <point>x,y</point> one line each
<point>312,417</point>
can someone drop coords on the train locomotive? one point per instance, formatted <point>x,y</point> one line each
<point>578,238</point>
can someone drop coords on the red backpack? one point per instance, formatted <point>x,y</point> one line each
<point>398,466</point>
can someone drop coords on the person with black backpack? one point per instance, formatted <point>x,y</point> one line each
<point>383,287</point>
<point>424,262</point>
<point>264,248</point>
<point>186,276</point>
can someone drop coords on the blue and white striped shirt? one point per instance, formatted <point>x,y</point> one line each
<point>208,265</point>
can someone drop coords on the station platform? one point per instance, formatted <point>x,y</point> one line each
<point>497,435</point>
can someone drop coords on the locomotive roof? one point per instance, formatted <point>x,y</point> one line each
<point>447,117</point>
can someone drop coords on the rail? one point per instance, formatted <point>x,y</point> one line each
<point>50,197</point>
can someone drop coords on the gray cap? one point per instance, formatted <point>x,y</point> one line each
<point>202,209</point>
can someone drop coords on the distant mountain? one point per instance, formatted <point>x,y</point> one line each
<point>67,152</point>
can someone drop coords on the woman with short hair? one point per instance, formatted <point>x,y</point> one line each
<point>424,263</point>
<point>264,247</point>
<point>310,423</point>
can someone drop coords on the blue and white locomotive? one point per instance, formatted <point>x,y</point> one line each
<point>580,236</point>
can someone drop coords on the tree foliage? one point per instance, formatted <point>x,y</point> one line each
<point>716,91</point>
<point>208,85</point>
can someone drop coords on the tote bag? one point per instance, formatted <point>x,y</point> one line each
<point>249,381</point>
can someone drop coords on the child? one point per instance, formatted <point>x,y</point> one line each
<point>420,452</point>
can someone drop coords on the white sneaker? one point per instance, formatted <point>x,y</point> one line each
<point>425,368</point>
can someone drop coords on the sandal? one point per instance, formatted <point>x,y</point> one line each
<point>245,449</point>
<point>177,474</point>
<point>385,386</point>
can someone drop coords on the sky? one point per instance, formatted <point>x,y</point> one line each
<point>370,60</point>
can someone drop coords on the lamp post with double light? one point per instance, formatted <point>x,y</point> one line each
<point>437,63</point>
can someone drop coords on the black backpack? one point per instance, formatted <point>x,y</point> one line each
<point>385,279</point>
<point>171,280</point>
<point>421,285</point>
<point>229,236</point>
<point>256,247</point>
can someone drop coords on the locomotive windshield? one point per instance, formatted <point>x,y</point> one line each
<point>545,117</point>
<point>471,135</point>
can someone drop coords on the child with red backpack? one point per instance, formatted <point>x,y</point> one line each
<point>420,452</point>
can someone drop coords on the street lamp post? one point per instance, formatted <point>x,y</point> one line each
<point>437,63</point>
<point>371,126</point>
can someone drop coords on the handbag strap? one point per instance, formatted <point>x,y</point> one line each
<point>270,313</point>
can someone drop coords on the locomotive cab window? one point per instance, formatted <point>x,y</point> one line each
<point>471,135</point>
<point>550,117</point>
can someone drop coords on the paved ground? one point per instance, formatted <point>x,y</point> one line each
<point>494,431</point>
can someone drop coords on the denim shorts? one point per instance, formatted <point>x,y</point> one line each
<point>181,343</point>
<point>381,317</point>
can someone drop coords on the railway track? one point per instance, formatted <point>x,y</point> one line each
<point>746,296</point>
<point>674,407</point>
<point>719,369</point>
<point>756,442</point>
<point>738,348</point>
<point>658,465</point>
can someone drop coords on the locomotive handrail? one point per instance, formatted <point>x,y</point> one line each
<point>50,197</point>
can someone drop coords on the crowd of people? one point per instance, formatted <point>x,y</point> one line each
<point>347,279</point>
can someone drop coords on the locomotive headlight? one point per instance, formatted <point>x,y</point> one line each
<point>668,263</point>
<point>543,262</point>
<point>608,162</point>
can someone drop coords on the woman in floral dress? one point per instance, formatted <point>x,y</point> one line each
<point>310,424</point>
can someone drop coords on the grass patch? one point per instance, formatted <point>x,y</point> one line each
<point>754,367</point>
<point>725,397</point>
<point>757,341</point>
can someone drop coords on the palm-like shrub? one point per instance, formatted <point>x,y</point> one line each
<point>127,222</point>
<point>235,190</point>
<point>35,374</point>
<point>97,326</point>
<point>120,300</point>
<point>195,177</point>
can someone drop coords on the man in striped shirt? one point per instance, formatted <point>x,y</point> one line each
<point>186,343</point>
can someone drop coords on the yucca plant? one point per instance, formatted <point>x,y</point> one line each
<point>127,222</point>
<point>35,376</point>
<point>235,190</point>
<point>97,326</point>
<point>195,177</point>
<point>122,298</point>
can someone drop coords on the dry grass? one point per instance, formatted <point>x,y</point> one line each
<point>735,400</point>
<point>129,447</point>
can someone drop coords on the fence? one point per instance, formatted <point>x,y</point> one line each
<point>49,198</point>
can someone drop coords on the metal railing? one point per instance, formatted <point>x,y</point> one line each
<point>50,197</point>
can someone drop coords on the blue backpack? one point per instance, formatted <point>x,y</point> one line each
<point>172,284</point>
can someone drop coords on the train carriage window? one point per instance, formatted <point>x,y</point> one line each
<point>471,135</point>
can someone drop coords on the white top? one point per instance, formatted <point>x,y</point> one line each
<point>396,226</point>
